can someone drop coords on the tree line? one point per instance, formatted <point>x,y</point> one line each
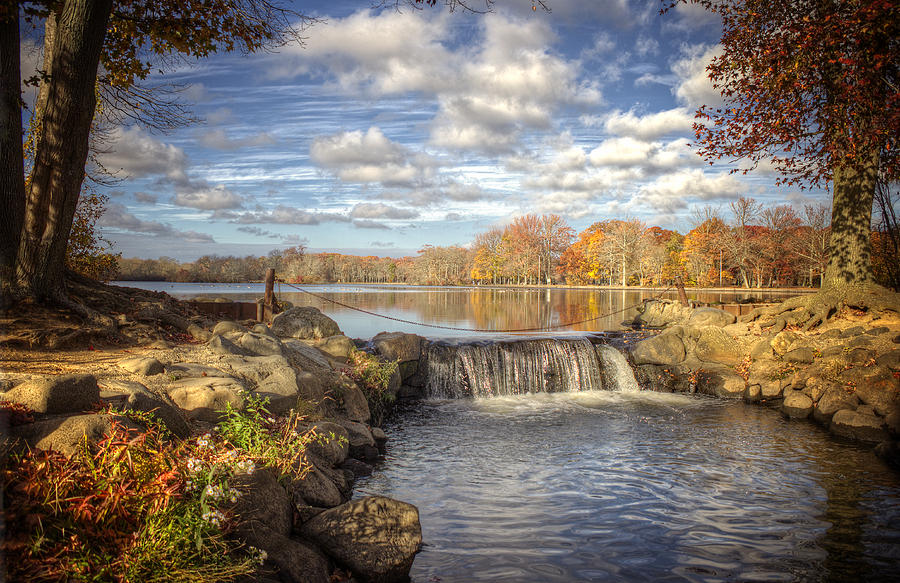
<point>746,244</point>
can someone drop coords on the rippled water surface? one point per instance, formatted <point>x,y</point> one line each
<point>610,486</point>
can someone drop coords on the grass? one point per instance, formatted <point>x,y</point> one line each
<point>373,376</point>
<point>140,506</point>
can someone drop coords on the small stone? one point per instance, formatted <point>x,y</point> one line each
<point>859,341</point>
<point>853,331</point>
<point>878,330</point>
<point>226,326</point>
<point>801,355</point>
<point>832,334</point>
<point>762,349</point>
<point>784,341</point>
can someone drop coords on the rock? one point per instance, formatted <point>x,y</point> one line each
<point>752,393</point>
<point>398,346</point>
<point>261,329</point>
<point>305,322</point>
<point>65,434</point>
<point>305,356</point>
<point>221,345</point>
<point>395,383</point>
<point>762,349</point>
<point>853,331</point>
<point>878,331</point>
<point>227,326</point>
<point>281,389</point>
<point>860,356</point>
<point>160,345</point>
<point>710,317</point>
<point>721,382</point>
<point>138,398</point>
<point>296,561</point>
<point>376,537</point>
<point>815,387</point>
<point>736,329</point>
<point>890,360</point>
<point>796,405</point>
<point>833,400</point>
<point>260,344</point>
<point>893,422</point>
<point>801,355</point>
<point>338,346</point>
<point>189,369</point>
<point>202,398</point>
<point>362,443</point>
<point>334,444</point>
<point>832,334</point>
<point>200,334</point>
<point>874,386</point>
<point>57,394</point>
<point>256,368</point>
<point>859,426</point>
<point>354,402</point>
<point>664,349</point>
<point>264,500</point>
<point>316,489</point>
<point>360,469</point>
<point>784,341</point>
<point>860,341</point>
<point>142,365</point>
<point>660,313</point>
<point>714,345</point>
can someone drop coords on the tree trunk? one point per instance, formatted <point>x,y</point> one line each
<point>12,170</point>
<point>61,148</point>
<point>851,223</point>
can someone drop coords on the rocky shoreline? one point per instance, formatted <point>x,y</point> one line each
<point>309,529</point>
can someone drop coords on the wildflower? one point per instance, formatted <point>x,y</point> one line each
<point>203,441</point>
<point>214,517</point>
<point>194,465</point>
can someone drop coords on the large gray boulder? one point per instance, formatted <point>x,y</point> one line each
<point>784,341</point>
<point>65,434</point>
<point>375,537</point>
<point>362,442</point>
<point>710,317</point>
<point>714,345</point>
<point>875,386</point>
<point>260,344</point>
<point>57,394</point>
<point>354,402</point>
<point>201,398</point>
<point>665,349</point>
<point>333,445</point>
<point>316,489</point>
<point>722,382</point>
<point>796,405</point>
<point>338,346</point>
<point>136,397</point>
<point>295,561</point>
<point>262,499</point>
<point>181,370</point>
<point>281,389</point>
<point>305,322</point>
<point>833,400</point>
<point>146,366</point>
<point>398,346</point>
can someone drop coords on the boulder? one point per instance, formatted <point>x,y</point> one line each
<point>316,489</point>
<point>65,434</point>
<point>262,499</point>
<point>260,344</point>
<point>281,389</point>
<point>375,537</point>
<point>710,317</point>
<point>852,331</point>
<point>361,440</point>
<point>138,398</point>
<point>661,313</point>
<point>857,425</point>
<point>721,382</point>
<point>56,394</point>
<point>833,400</point>
<point>784,341</point>
<point>874,386</point>
<point>295,561</point>
<point>333,445</point>
<point>815,387</point>
<point>189,369</point>
<point>305,356</point>
<point>221,345</point>
<point>227,326</point>
<point>146,366</point>
<point>198,332</point>
<point>398,346</point>
<point>338,346</point>
<point>802,355</point>
<point>201,398</point>
<point>714,345</point>
<point>890,360</point>
<point>796,405</point>
<point>358,468</point>
<point>256,368</point>
<point>305,322</point>
<point>664,349</point>
<point>354,402</point>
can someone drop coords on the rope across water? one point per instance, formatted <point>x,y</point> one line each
<point>462,329</point>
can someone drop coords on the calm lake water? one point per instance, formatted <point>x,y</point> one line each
<point>471,308</point>
<point>608,485</point>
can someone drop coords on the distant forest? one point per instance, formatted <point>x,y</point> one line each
<point>751,246</point>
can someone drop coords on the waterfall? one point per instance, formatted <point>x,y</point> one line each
<point>515,367</point>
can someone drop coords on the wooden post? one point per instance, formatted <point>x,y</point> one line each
<point>682,297</point>
<point>269,300</point>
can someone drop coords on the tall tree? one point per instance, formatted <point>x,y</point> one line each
<point>811,85</point>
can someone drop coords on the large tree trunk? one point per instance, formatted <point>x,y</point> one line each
<point>12,179</point>
<point>851,223</point>
<point>61,147</point>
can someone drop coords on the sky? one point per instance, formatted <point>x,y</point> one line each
<point>390,130</point>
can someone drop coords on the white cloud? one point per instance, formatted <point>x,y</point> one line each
<point>650,126</point>
<point>217,139</point>
<point>671,192</point>
<point>694,87</point>
<point>283,215</point>
<point>621,152</point>
<point>646,46</point>
<point>370,157</point>
<point>137,154</point>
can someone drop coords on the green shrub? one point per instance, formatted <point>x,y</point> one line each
<point>373,376</point>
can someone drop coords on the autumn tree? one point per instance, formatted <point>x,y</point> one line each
<point>812,86</point>
<point>129,39</point>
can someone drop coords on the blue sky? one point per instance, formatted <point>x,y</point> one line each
<point>391,130</point>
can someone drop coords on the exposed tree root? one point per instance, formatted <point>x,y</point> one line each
<point>813,310</point>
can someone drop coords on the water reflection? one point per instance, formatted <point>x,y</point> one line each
<point>470,308</point>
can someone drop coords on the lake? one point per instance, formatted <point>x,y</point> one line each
<point>480,308</point>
